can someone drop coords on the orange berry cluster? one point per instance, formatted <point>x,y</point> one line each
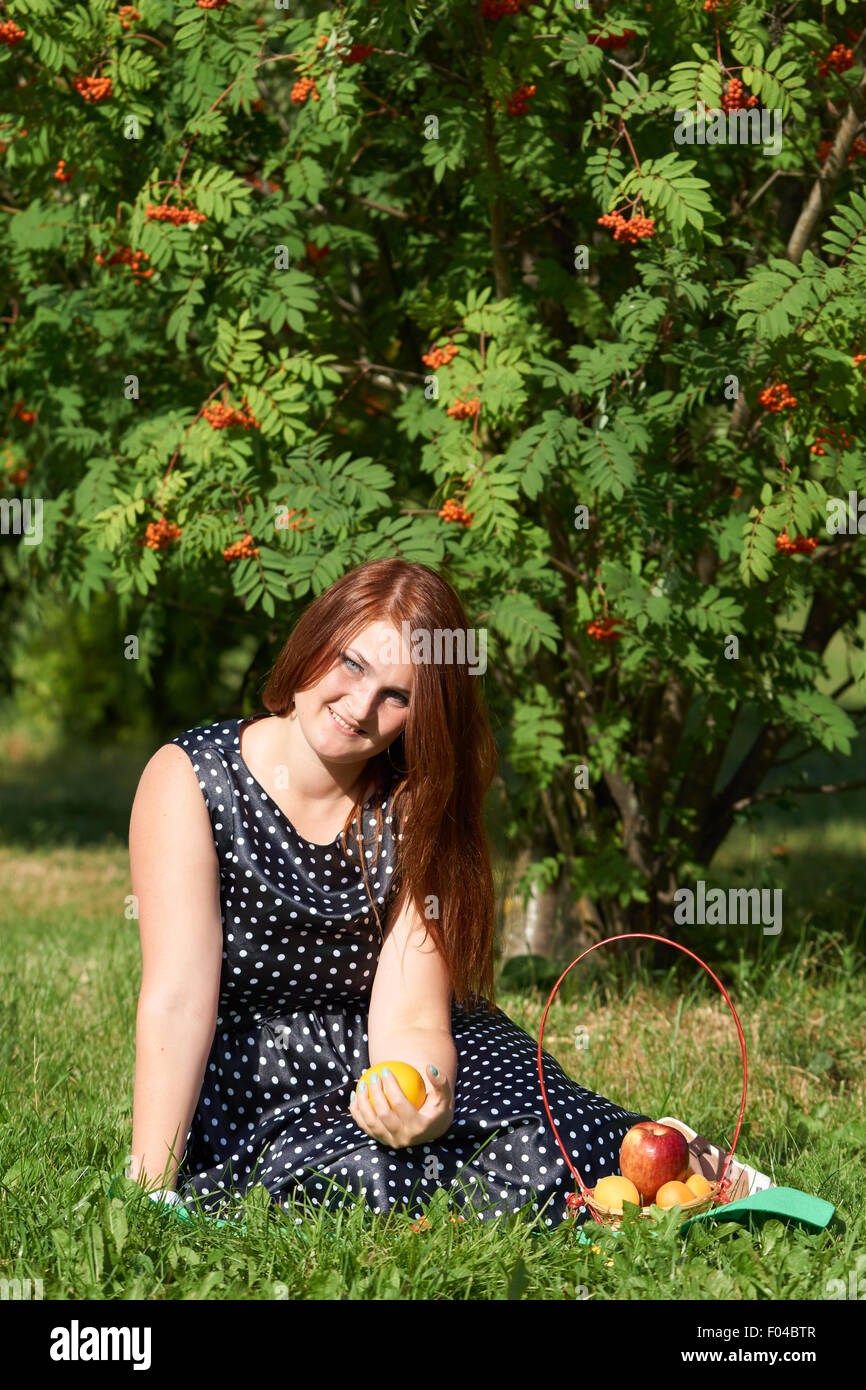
<point>836,438</point>
<point>518,102</point>
<point>259,186</point>
<point>296,524</point>
<point>160,534</point>
<point>839,59</point>
<point>612,40</point>
<point>220,416</point>
<point>28,416</point>
<point>164,212</point>
<point>464,410</point>
<point>860,357</point>
<point>803,545</point>
<point>495,9</point>
<point>631,231</point>
<point>602,629</point>
<point>453,511</point>
<point>732,97</point>
<point>374,405</point>
<point>18,477</point>
<point>776,398</point>
<point>212,4</point>
<point>710,4</point>
<point>125,255</point>
<point>61,173</point>
<point>93,88</point>
<point>10,34</point>
<point>241,550</point>
<point>302,89</point>
<point>859,147</point>
<point>126,14</point>
<point>439,357</point>
<point>357,53</point>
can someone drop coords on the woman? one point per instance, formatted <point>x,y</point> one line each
<point>283,951</point>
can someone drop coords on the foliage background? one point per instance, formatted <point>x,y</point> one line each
<point>413,203</point>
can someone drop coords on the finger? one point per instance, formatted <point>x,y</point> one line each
<point>378,1103</point>
<point>361,1107</point>
<point>365,1116</point>
<point>395,1093</point>
<point>374,1110</point>
<point>365,1101</point>
<point>440,1082</point>
<point>388,1115</point>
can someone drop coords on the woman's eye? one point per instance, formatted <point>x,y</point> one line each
<point>394,695</point>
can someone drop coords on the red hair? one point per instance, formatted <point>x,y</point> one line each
<point>439,767</point>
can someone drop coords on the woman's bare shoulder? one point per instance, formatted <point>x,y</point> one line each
<point>170,784</point>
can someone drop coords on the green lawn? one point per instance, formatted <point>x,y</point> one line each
<point>666,1045</point>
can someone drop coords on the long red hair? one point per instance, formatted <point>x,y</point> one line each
<point>439,767</point>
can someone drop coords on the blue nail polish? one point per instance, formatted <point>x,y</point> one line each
<point>362,1087</point>
<point>385,1071</point>
<point>435,1070</point>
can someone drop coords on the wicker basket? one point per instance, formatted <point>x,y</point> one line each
<point>612,1216</point>
<point>720,1188</point>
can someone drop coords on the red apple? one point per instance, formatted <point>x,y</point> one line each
<point>651,1155</point>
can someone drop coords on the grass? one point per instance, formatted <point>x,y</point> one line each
<point>663,1043</point>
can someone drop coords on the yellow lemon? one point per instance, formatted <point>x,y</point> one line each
<point>409,1080</point>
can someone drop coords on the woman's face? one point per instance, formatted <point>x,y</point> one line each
<point>367,689</point>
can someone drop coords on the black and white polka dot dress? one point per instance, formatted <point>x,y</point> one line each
<point>300,945</point>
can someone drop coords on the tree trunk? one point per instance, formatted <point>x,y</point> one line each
<point>551,923</point>
<point>528,929</point>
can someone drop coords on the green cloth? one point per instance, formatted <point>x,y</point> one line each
<point>785,1203</point>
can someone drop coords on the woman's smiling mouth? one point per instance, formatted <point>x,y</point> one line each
<point>342,724</point>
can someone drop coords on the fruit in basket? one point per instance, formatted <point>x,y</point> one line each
<point>673,1194</point>
<point>613,1191</point>
<point>652,1155</point>
<point>698,1185</point>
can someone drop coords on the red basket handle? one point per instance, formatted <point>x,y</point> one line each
<point>646,936</point>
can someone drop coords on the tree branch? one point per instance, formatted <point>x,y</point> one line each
<point>824,789</point>
<point>837,160</point>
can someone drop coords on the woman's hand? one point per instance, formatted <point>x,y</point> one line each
<point>404,1124</point>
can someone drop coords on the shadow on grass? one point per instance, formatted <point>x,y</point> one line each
<point>75,797</point>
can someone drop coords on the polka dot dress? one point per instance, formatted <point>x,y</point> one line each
<point>300,945</point>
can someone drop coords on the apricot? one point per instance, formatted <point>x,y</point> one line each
<point>698,1185</point>
<point>613,1191</point>
<point>673,1194</point>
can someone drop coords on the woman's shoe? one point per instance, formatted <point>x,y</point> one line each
<point>707,1159</point>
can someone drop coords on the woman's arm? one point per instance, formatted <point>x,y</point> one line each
<point>409,1019</point>
<point>175,877</point>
